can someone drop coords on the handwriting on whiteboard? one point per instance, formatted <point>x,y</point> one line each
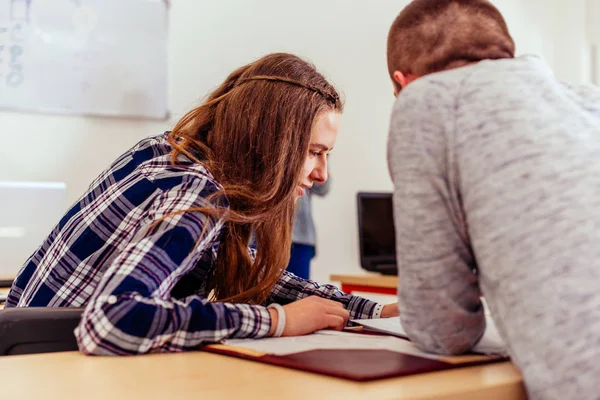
<point>12,40</point>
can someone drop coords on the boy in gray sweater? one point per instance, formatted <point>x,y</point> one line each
<point>496,169</point>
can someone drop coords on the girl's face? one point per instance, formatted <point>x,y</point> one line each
<point>322,140</point>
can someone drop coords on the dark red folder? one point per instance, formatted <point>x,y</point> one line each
<point>356,365</point>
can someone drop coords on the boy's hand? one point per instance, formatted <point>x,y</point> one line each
<point>390,310</point>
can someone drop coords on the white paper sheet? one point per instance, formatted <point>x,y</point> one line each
<point>329,340</point>
<point>490,343</point>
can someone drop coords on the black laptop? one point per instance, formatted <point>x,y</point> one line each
<point>377,239</point>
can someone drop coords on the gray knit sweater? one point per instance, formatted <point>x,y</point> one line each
<point>496,169</point>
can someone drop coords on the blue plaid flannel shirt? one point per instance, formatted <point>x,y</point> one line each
<point>111,254</point>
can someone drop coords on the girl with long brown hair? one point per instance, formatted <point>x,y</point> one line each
<point>157,248</point>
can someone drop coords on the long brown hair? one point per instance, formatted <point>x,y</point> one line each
<point>253,134</point>
<point>433,35</point>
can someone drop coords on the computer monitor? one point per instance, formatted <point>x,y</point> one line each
<point>376,235</point>
<point>28,212</point>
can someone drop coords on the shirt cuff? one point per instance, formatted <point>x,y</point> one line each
<point>377,311</point>
<point>255,321</point>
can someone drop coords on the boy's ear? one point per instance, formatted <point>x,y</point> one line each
<point>400,82</point>
<point>400,78</point>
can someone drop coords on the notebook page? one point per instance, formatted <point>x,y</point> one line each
<point>490,343</point>
<point>328,339</point>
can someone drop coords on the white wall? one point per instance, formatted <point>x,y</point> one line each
<point>344,38</point>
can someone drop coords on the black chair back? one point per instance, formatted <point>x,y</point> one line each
<point>38,330</point>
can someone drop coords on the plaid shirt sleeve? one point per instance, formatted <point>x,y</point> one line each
<point>132,312</point>
<point>290,288</point>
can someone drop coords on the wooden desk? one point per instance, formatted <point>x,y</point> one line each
<point>210,376</point>
<point>367,282</point>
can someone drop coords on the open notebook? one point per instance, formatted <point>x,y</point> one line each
<point>490,343</point>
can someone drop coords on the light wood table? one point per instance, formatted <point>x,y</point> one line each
<point>367,282</point>
<point>197,375</point>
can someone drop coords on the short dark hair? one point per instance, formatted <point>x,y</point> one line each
<point>433,35</point>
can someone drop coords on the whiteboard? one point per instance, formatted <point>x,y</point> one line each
<point>100,57</point>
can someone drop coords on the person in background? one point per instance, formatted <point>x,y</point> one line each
<point>304,237</point>
<point>496,171</point>
<point>156,249</point>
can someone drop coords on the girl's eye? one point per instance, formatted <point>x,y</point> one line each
<point>315,153</point>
